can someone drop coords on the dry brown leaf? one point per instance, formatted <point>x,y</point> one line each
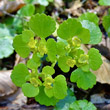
<point>103,73</point>
<point>58,3</point>
<point>6,85</point>
<point>74,8</point>
<point>9,93</point>
<point>10,6</point>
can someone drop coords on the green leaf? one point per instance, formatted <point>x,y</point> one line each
<point>82,105</point>
<point>29,90</point>
<point>17,25</point>
<point>32,64</point>
<point>43,2</point>
<point>104,2</point>
<point>43,99</point>
<point>95,33</point>
<point>92,17</point>
<point>26,35</point>
<point>37,58</point>
<point>48,70</point>
<point>42,25</point>
<point>21,47</point>
<point>4,31</point>
<point>6,48</point>
<point>69,29</point>
<point>62,63</point>
<point>83,79</point>
<point>27,10</point>
<point>61,48</point>
<point>106,24</point>
<point>19,74</point>
<point>52,49</point>
<point>60,87</point>
<point>40,9</point>
<point>65,103</point>
<point>84,35</point>
<point>28,1</point>
<point>49,92</point>
<point>95,60</point>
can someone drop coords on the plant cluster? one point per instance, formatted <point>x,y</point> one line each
<point>66,52</point>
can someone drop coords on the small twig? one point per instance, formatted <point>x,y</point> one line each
<point>6,13</point>
<point>11,15</point>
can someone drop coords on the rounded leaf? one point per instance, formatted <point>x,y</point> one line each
<point>51,49</point>
<point>106,24</point>
<point>21,47</point>
<point>29,90</point>
<point>26,35</point>
<point>43,99</point>
<point>60,87</point>
<point>42,25</point>
<point>95,33</point>
<point>69,29</point>
<point>95,60</point>
<point>27,10</point>
<point>83,79</point>
<point>92,17</point>
<point>19,74</point>
<point>62,63</point>
<point>82,105</point>
<point>48,70</point>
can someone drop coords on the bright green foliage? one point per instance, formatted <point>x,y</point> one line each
<point>29,90</point>
<point>71,28</point>
<point>95,60</point>
<point>37,58</point>
<point>47,53</point>
<point>6,48</point>
<point>82,105</point>
<point>104,2</point>
<point>48,70</point>
<point>31,64</point>
<point>26,35</point>
<point>56,87</point>
<point>95,33</point>
<point>92,17</point>
<point>84,35</point>
<point>61,48</point>
<point>21,47</point>
<point>83,79</point>
<point>62,63</point>
<point>70,62</point>
<point>60,87</point>
<point>48,82</point>
<point>68,29</point>
<point>19,74</point>
<point>106,24</point>
<point>65,103</point>
<point>49,92</point>
<point>42,47</point>
<point>51,49</point>
<point>83,58</point>
<point>42,25</point>
<point>27,10</point>
<point>43,99</point>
